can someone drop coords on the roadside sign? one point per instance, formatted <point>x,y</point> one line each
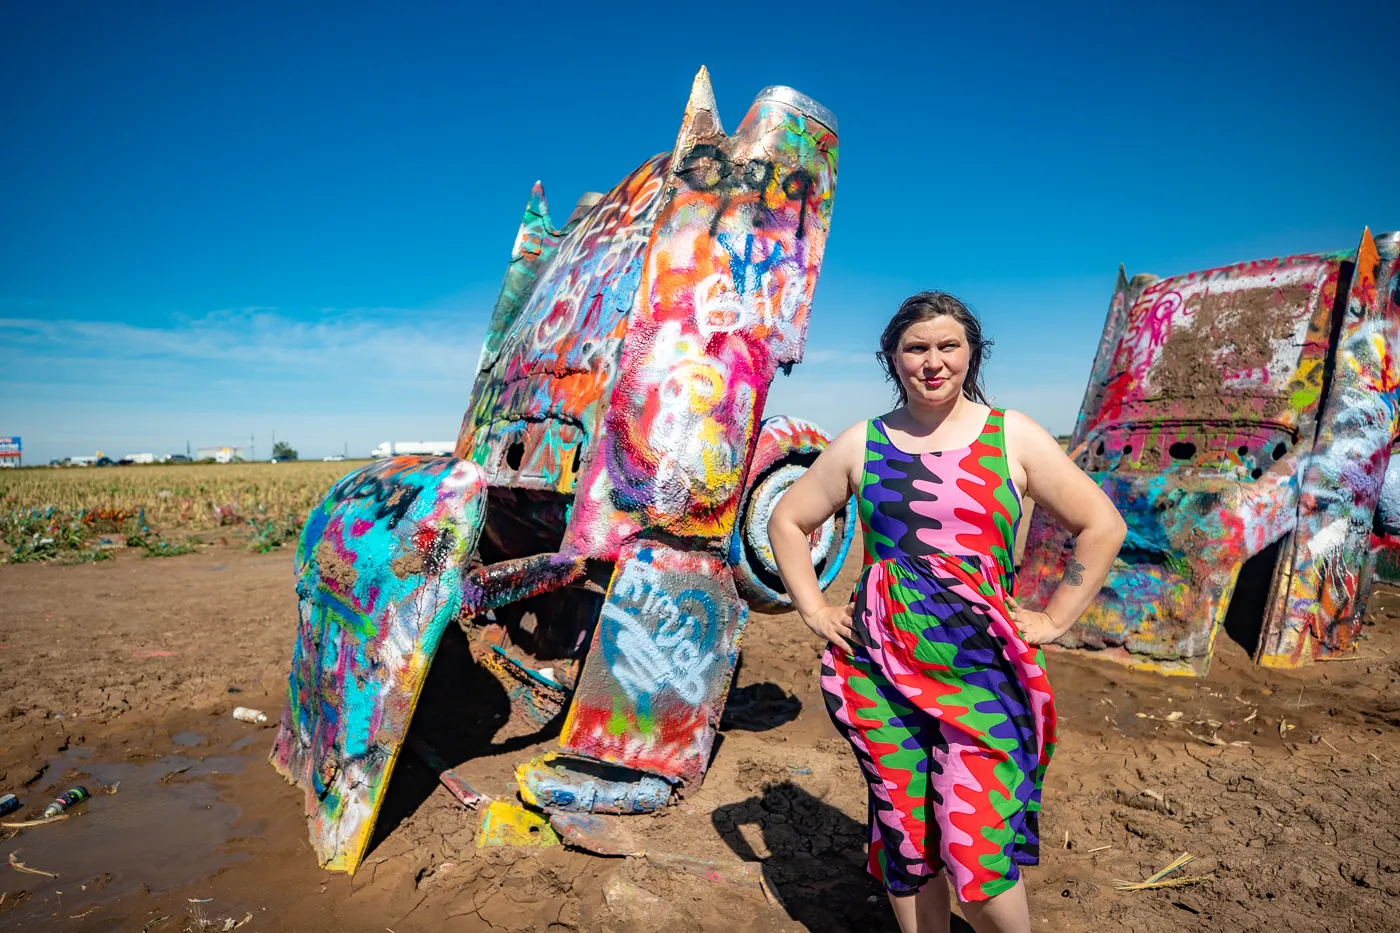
<point>10,447</point>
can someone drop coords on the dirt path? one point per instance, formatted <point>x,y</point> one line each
<point>124,674</point>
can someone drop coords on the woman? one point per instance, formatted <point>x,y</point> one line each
<point>931,672</point>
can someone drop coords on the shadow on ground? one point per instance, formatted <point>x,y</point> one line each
<point>813,856</point>
<point>459,712</point>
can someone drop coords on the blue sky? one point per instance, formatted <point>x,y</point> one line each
<point>225,220</point>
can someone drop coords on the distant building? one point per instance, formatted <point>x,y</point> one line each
<point>140,458</point>
<point>413,448</point>
<point>220,454</point>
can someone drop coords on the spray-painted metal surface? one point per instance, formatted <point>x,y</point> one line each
<point>786,447</point>
<point>1230,411</point>
<point>1319,608</point>
<point>508,824</point>
<point>546,782</point>
<point>378,580</point>
<point>616,424</point>
<point>658,669</point>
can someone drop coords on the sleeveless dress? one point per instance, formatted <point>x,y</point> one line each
<point>947,707</point>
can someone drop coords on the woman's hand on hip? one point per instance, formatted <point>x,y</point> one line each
<point>1037,628</point>
<point>833,623</point>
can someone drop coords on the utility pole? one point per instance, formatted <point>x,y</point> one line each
<point>252,448</point>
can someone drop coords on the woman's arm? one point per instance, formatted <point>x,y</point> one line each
<point>815,497</point>
<point>1076,502</point>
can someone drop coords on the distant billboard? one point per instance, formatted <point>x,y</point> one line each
<point>10,448</point>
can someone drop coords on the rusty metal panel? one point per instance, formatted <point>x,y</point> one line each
<point>1341,485</point>
<point>1125,295</point>
<point>1197,430</point>
<point>1244,344</point>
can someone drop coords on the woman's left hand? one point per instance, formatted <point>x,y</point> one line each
<point>1036,628</point>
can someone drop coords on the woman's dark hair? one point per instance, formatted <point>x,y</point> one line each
<point>925,306</point>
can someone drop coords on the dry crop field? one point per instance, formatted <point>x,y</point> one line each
<point>58,513</point>
<point>184,495</point>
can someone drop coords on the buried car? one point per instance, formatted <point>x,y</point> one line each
<point>1242,421</point>
<point>606,506</point>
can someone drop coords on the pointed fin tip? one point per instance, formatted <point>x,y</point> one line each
<point>1367,255</point>
<point>538,203</point>
<point>702,94</point>
<point>701,118</point>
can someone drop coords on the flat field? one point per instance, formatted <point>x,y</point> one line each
<point>176,496</point>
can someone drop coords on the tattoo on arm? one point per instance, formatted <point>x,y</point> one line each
<point>1074,573</point>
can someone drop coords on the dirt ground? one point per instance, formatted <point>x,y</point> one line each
<point>122,676</point>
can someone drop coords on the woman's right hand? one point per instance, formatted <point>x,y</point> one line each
<point>833,624</point>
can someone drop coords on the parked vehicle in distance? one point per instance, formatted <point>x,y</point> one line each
<point>413,448</point>
<point>175,458</point>
<point>333,458</point>
<point>103,461</point>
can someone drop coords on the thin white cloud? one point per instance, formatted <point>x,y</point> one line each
<point>354,377</point>
<point>411,343</point>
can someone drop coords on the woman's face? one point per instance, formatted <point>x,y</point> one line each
<point>931,361</point>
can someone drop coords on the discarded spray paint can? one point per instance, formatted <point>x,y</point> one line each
<point>71,797</point>
<point>244,714</point>
<point>8,804</point>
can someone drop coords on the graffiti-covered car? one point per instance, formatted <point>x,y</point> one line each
<point>1241,419</point>
<point>606,506</point>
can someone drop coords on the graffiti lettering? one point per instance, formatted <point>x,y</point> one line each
<point>742,264</point>
<point>676,656</point>
<point>708,169</point>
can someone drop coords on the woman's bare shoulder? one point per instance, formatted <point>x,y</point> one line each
<point>847,449</point>
<point>1029,444</point>
<point>852,434</point>
<point>1021,426</point>
<point>848,443</point>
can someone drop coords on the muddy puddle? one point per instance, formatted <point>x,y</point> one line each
<point>152,824</point>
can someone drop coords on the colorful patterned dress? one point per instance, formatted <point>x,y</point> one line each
<point>948,709</point>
